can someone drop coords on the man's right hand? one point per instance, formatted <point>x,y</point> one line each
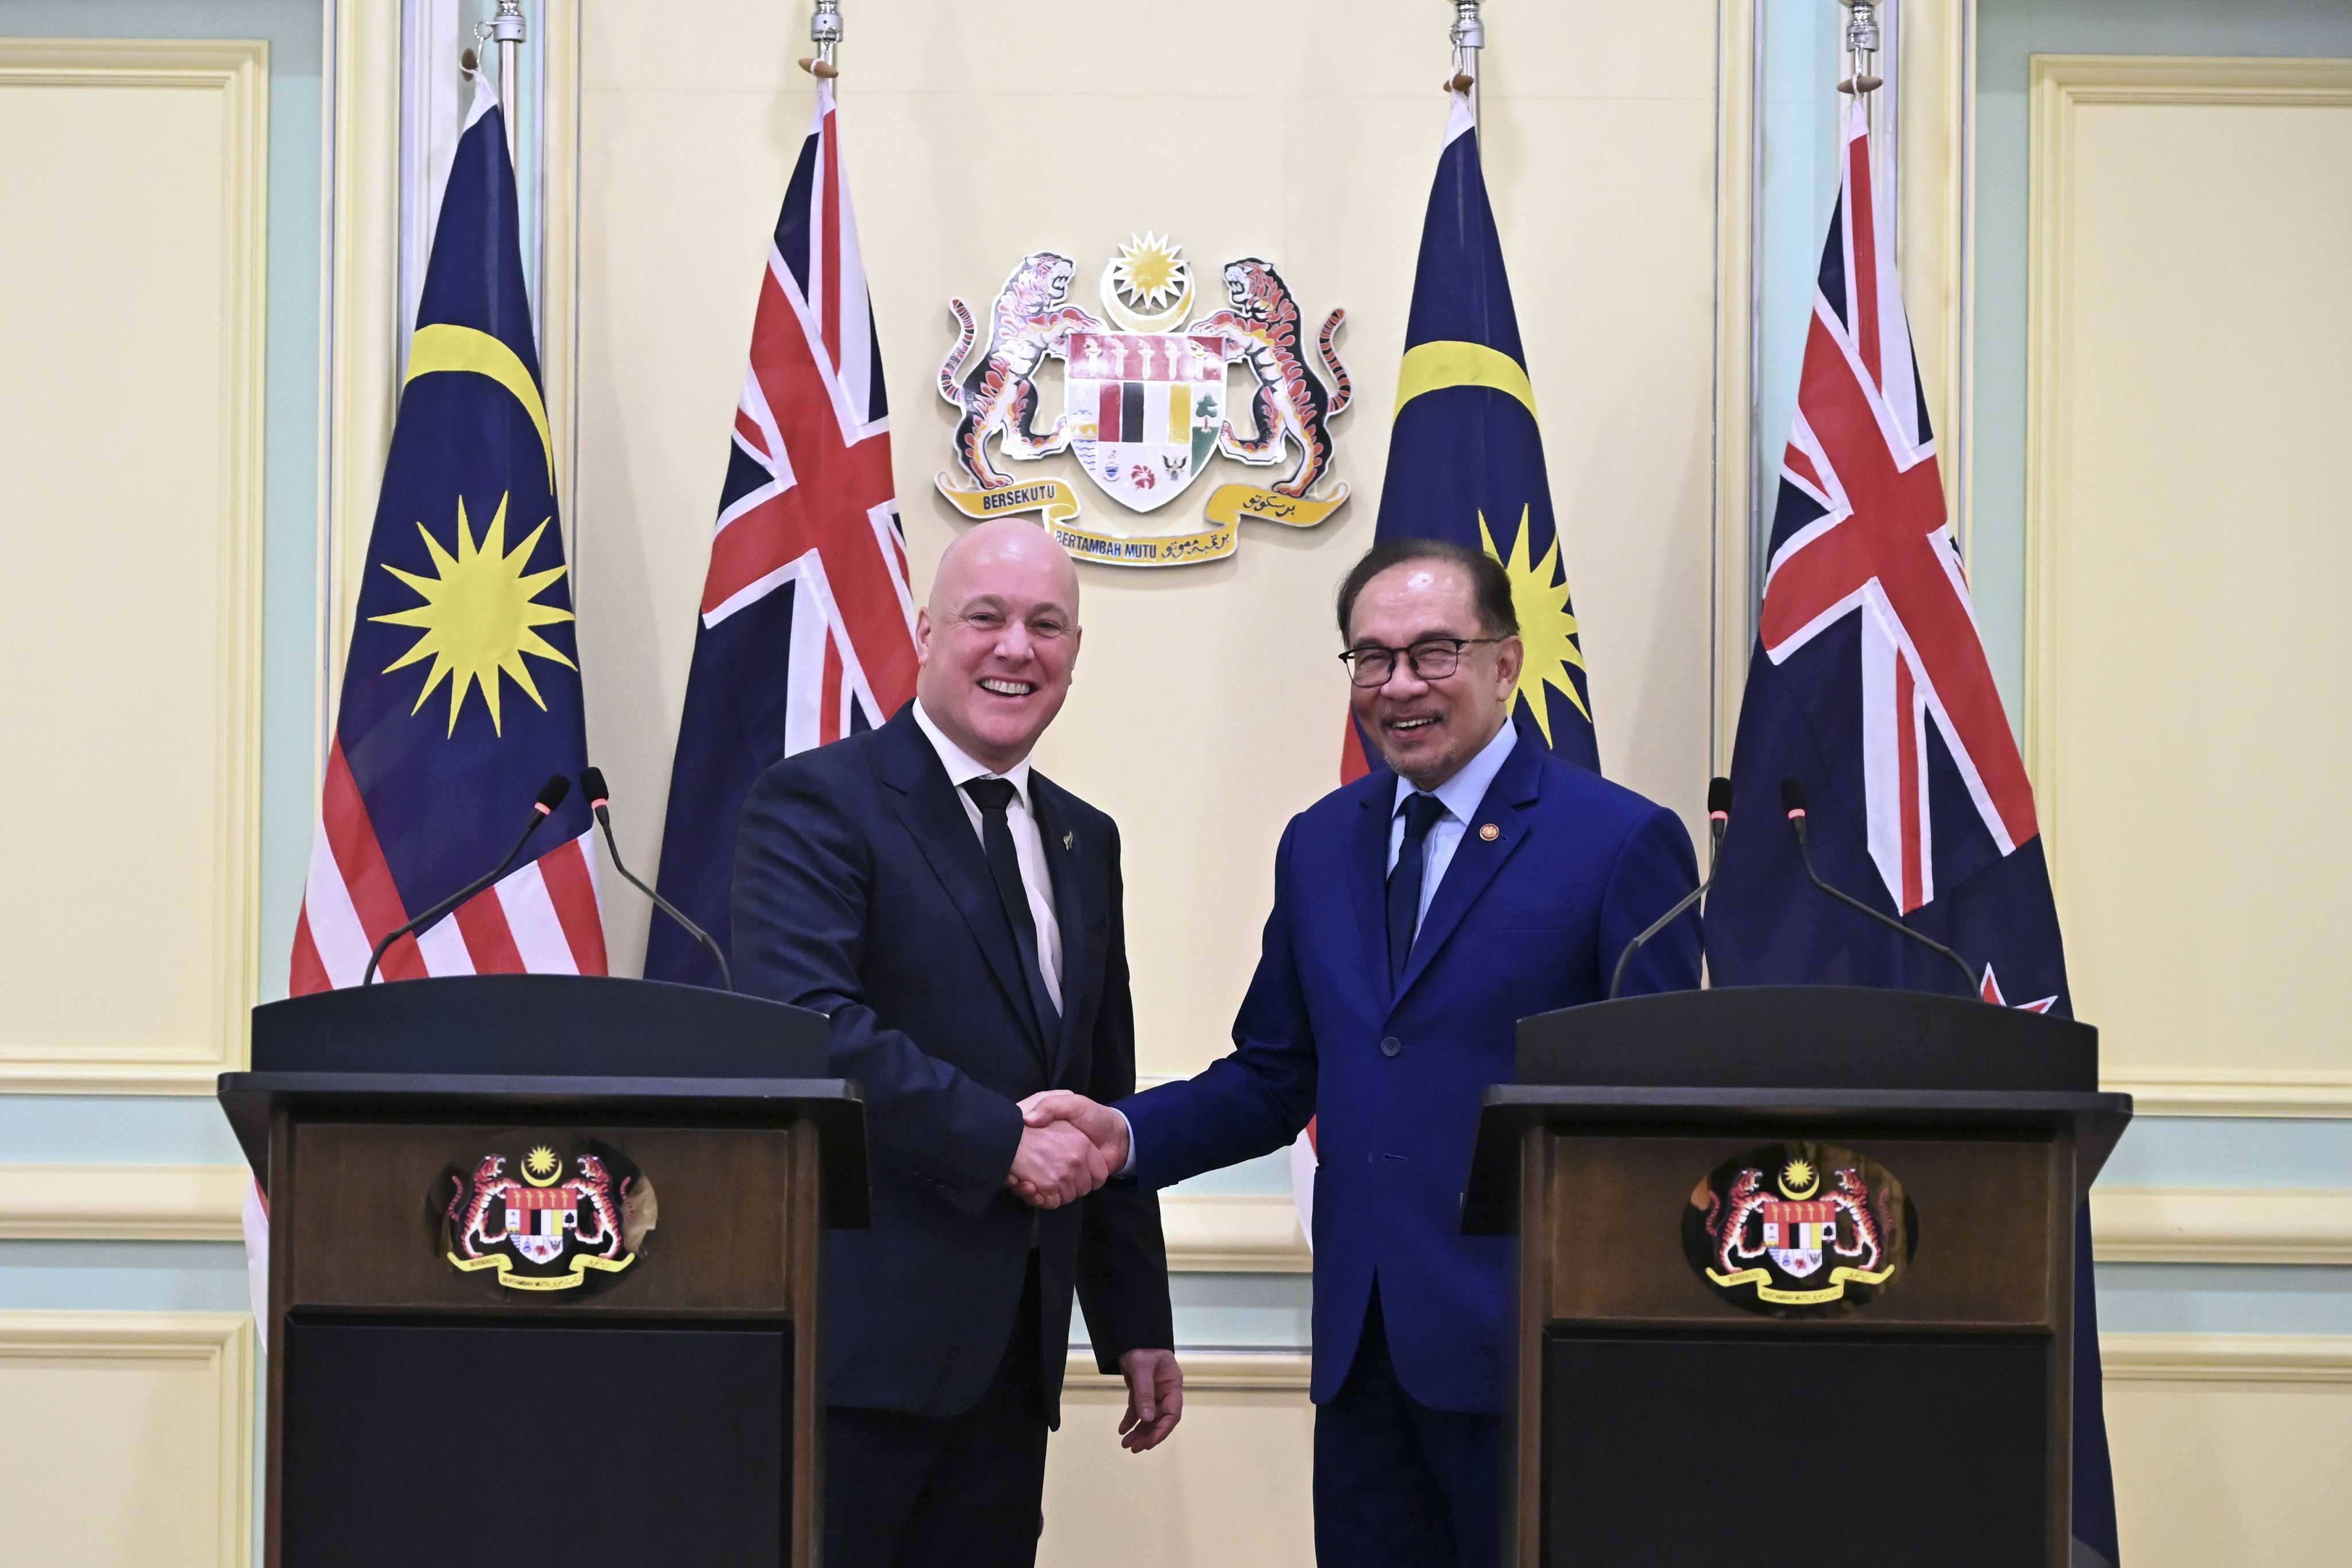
<point>1105,1127</point>
<point>1057,1164</point>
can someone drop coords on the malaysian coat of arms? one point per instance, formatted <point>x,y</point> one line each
<point>1800,1229</point>
<point>1144,402</point>
<point>545,1220</point>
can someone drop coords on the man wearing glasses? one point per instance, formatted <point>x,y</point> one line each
<point>1419,914</point>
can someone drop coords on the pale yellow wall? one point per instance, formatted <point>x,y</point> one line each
<point>2191,561</point>
<point>2229,1449</point>
<point>130,441</point>
<point>1233,1484</point>
<point>126,1440</point>
<point>1208,707</point>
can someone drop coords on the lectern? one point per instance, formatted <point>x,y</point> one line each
<point>1796,1276</point>
<point>544,1272</point>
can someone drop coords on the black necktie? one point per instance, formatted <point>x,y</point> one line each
<point>992,796</point>
<point>1420,815</point>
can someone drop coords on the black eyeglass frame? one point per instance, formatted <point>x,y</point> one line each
<point>1430,647</point>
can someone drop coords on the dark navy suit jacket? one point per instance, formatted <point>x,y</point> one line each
<point>1527,921</point>
<point>862,892</point>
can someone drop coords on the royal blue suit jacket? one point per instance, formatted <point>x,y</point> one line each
<point>862,892</point>
<point>1558,870</point>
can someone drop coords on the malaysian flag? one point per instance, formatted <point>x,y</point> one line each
<point>1869,682</point>
<point>461,692</point>
<point>807,629</point>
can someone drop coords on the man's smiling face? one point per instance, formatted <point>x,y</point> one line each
<point>998,640</point>
<point>1427,729</point>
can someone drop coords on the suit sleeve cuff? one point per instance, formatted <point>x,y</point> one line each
<point>1127,1169</point>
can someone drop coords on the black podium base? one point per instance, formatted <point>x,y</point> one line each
<point>535,1445</point>
<point>1699,1451</point>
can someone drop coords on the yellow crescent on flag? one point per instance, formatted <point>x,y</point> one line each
<point>444,347</point>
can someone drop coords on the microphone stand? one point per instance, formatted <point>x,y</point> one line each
<point>1718,818</point>
<point>551,795</point>
<point>592,780</point>
<point>1792,797</point>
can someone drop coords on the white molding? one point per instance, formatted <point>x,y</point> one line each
<point>239,70</point>
<point>222,1339</point>
<point>1276,1372</point>
<point>2226,1358</point>
<point>2222,1225</point>
<point>1221,1235</point>
<point>2219,1092</point>
<point>121,1202</point>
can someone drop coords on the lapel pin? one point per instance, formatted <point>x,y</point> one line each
<point>1070,840</point>
<point>1490,833</point>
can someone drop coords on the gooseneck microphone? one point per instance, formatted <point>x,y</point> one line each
<point>1792,801</point>
<point>1718,818</point>
<point>551,795</point>
<point>592,784</point>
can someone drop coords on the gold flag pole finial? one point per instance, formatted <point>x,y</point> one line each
<point>824,32</point>
<point>1861,48</point>
<point>1469,36</point>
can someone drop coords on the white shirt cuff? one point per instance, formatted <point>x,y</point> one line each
<point>1127,1169</point>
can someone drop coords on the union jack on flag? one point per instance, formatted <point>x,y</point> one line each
<point>1870,684</point>
<point>807,625</point>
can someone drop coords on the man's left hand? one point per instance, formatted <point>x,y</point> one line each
<point>1155,1398</point>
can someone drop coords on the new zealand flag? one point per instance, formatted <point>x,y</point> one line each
<point>1869,685</point>
<point>807,626</point>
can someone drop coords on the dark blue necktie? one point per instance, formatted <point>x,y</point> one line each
<point>1420,815</point>
<point>994,796</point>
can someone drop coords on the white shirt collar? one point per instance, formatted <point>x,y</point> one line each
<point>1462,791</point>
<point>962,769</point>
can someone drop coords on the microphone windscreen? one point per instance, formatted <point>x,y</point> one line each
<point>1792,795</point>
<point>551,793</point>
<point>1718,798</point>
<point>592,784</point>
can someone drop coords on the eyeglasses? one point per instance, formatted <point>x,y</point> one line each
<point>1432,658</point>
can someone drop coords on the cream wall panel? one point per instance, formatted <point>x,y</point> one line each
<point>131,298</point>
<point>127,1441</point>
<point>1232,1485</point>
<point>2229,1449</point>
<point>2190,561</point>
<point>1208,707</point>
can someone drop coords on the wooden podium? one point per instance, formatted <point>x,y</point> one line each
<point>544,1272</point>
<point>1797,1277</point>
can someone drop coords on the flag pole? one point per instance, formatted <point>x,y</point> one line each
<point>824,32</point>
<point>1469,36</point>
<point>507,32</point>
<point>1861,48</point>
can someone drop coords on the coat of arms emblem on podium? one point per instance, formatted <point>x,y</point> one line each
<point>1144,407</point>
<point>1800,1229</point>
<point>555,1223</point>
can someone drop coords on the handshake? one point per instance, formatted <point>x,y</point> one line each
<point>1069,1146</point>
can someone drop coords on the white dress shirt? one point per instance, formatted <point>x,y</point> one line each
<point>1028,843</point>
<point>1460,795</point>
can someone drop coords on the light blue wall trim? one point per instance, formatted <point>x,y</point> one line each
<point>2197,1299</point>
<point>114,1130</point>
<point>123,1277</point>
<point>1234,1311</point>
<point>2231,1152</point>
<point>1260,1178</point>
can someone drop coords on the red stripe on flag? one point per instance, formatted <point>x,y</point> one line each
<point>308,973</point>
<point>828,702</point>
<point>572,891</point>
<point>483,920</point>
<point>367,876</point>
<point>1352,763</point>
<point>1862,220</point>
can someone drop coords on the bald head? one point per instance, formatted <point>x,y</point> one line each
<point>998,639</point>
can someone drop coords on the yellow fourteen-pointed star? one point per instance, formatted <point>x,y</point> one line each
<point>1539,594</point>
<point>477,615</point>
